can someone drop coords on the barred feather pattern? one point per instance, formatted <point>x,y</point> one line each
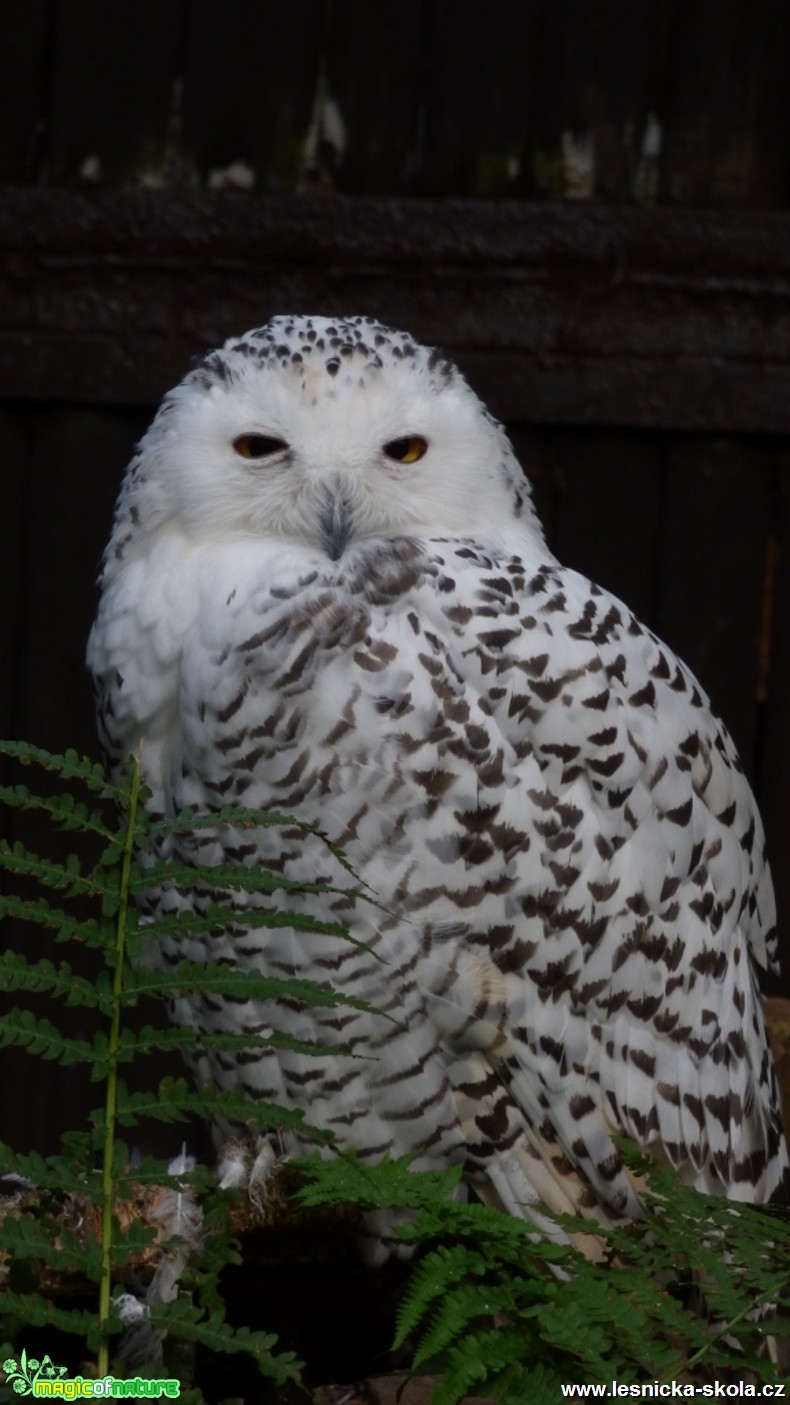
<point>569,894</point>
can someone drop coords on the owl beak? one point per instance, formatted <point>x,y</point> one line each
<point>336,521</point>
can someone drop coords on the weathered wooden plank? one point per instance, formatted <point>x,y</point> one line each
<point>533,448</point>
<point>548,320</point>
<point>597,92</point>
<point>478,72</point>
<point>14,443</point>
<point>714,530</point>
<point>374,90</point>
<point>603,515</point>
<point>619,243</point>
<point>684,393</point>
<point>592,316</point>
<point>726,115</point>
<point>23,91</point>
<point>75,468</point>
<point>114,104</point>
<point>75,463</point>
<point>460,97</point>
<point>773,774</point>
<point>250,85</point>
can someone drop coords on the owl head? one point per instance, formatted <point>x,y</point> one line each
<point>326,433</point>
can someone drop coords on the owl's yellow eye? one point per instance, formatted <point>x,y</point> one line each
<point>258,446</point>
<point>406,450</point>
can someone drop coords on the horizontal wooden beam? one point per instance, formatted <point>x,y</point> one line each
<point>561,314</point>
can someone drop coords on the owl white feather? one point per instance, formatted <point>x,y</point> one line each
<point>327,594</point>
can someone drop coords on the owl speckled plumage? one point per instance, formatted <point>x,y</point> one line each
<point>327,594</point>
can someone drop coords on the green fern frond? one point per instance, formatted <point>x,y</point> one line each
<point>392,1184</point>
<point>217,917</point>
<point>150,1040</point>
<point>175,1101</point>
<point>474,1360</point>
<point>63,1173</point>
<point>38,1036</point>
<point>67,876</point>
<point>62,924</point>
<point>189,821</point>
<point>229,878</point>
<point>68,813</point>
<point>214,1333</point>
<point>35,1310</point>
<point>231,817</point>
<point>192,978</point>
<point>59,982</point>
<point>472,1303</point>
<point>597,1320</point>
<point>69,766</point>
<point>49,1241</point>
<point>448,1265</point>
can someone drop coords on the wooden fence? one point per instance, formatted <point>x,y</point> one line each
<point>618,100</point>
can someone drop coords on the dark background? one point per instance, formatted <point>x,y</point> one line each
<point>584,201</point>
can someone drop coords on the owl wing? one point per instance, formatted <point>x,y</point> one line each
<point>147,611</point>
<point>536,791</point>
<point>594,970</point>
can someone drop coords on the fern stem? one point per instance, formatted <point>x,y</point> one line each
<point>110,1105</point>
<point>762,1300</point>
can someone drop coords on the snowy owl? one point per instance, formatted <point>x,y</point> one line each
<point>327,594</point>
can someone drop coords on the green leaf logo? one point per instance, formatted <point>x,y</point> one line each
<point>23,1376</point>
